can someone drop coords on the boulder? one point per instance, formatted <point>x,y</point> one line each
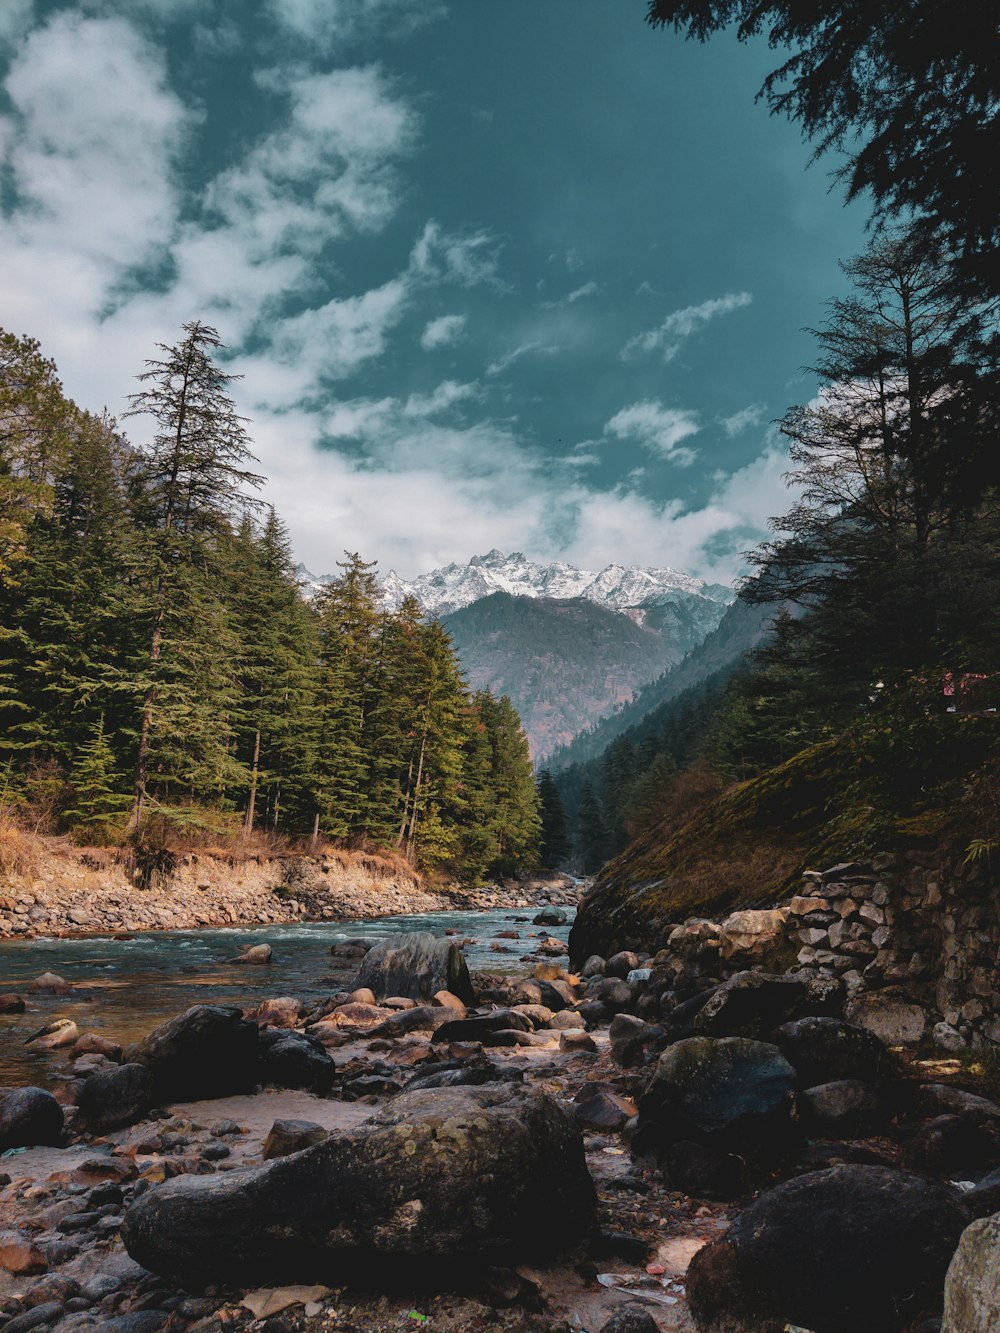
<point>627,1036</point>
<point>282,1011</point>
<point>423,1018</point>
<point>116,1097</point>
<point>621,964</point>
<point>631,1318</point>
<point>11,1004</point>
<point>554,994</point>
<point>29,1117</point>
<point>294,1060</point>
<point>575,1040</point>
<point>703,1172</point>
<point>482,1025</point>
<point>853,1249</point>
<point>752,933</point>
<point>972,1285</point>
<point>731,1094</point>
<point>49,983</point>
<point>602,1108</point>
<point>416,965</point>
<point>844,1109</point>
<point>550,916</point>
<point>956,1146</point>
<point>595,966</point>
<point>984,1197</point>
<point>462,1074</point>
<point>20,1255</point>
<point>825,1050</point>
<point>256,956</point>
<point>289,1136</point>
<point>891,1015</point>
<point>92,1043</point>
<point>435,1183</point>
<point>751,1004</point>
<point>208,1051</point>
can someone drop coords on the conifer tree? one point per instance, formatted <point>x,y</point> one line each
<point>97,802</point>
<point>554,847</point>
<point>592,837</point>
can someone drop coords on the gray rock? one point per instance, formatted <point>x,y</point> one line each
<point>854,1249</point>
<point>458,1176</point>
<point>415,965</point>
<point>824,1050</point>
<point>972,1286</point>
<point>751,1004</point>
<point>116,1097</point>
<point>29,1116</point>
<point>294,1060</point>
<point>288,1136</point>
<point>550,916</point>
<point>845,1109</point>
<point>627,1036</point>
<point>208,1051</point>
<point>892,1016</point>
<point>631,1318</point>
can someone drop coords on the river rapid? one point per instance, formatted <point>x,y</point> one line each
<point>122,988</point>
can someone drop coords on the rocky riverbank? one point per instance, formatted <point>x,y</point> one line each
<point>72,891</point>
<point>640,1145</point>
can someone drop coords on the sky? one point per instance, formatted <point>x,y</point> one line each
<point>496,273</point>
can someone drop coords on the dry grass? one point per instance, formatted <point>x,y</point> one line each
<point>20,848</point>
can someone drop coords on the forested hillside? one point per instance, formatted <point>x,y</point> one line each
<point>162,676</point>
<point>562,663</point>
<point>869,717</point>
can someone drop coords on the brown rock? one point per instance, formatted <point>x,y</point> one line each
<point>288,1136</point>
<point>18,1255</point>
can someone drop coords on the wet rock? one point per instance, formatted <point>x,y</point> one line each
<point>416,965</point>
<point>11,1004</point>
<point>550,916</point>
<point>289,1136</point>
<point>55,1036</point>
<point>751,1004</point>
<point>972,1285</point>
<point>425,1018</point>
<point>49,983</point>
<point>845,1109</point>
<point>460,1176</point>
<point>824,1050</point>
<point>730,1093</point>
<point>462,1073</point>
<point>92,1043</point>
<point>256,956</point>
<point>595,966</point>
<point>611,991</point>
<point>294,1060</point>
<point>41,1316</point>
<point>208,1051</point>
<point>854,1249</point>
<point>117,1097</point>
<point>553,994</point>
<point>29,1117</point>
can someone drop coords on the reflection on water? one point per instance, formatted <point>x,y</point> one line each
<point>123,988</point>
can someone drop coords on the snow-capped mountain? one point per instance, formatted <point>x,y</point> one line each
<point>617,587</point>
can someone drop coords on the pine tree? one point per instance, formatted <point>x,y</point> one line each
<point>194,476</point>
<point>555,834</point>
<point>591,837</point>
<point>97,804</point>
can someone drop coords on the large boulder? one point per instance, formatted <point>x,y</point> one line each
<point>416,965</point>
<point>750,934</point>
<point>730,1094</point>
<point>112,1098</point>
<point>892,1015</point>
<point>751,1004</point>
<point>972,1285</point>
<point>434,1184</point>
<point>824,1050</point>
<point>208,1051</point>
<point>294,1060</point>
<point>854,1249</point>
<point>483,1025</point>
<point>29,1117</point>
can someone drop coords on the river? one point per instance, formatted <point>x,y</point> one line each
<point>122,988</point>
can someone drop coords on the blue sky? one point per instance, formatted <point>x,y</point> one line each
<point>497,272</point>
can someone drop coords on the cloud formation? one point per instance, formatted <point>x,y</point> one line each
<point>442,331</point>
<point>657,428</point>
<point>669,337</point>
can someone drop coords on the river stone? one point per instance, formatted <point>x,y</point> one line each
<point>113,1098</point>
<point>845,1109</point>
<point>972,1285</point>
<point>732,1093</point>
<point>462,1073</point>
<point>294,1060</point>
<point>483,1025</point>
<point>416,965</point>
<point>436,1182</point>
<point>288,1136</point>
<point>29,1117</point>
<point>854,1249</point>
<point>824,1050</point>
<point>550,916</point>
<point>751,1004</point>
<point>631,1318</point>
<point>11,1004</point>
<point>208,1051</point>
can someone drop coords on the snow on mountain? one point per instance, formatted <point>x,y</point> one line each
<point>617,587</point>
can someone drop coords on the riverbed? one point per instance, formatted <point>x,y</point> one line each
<point>122,988</point>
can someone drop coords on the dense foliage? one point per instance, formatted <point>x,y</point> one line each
<point>160,668</point>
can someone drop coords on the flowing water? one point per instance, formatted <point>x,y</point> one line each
<point>122,988</point>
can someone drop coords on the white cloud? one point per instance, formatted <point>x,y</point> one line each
<point>16,17</point>
<point>450,257</point>
<point>446,395</point>
<point>744,419</point>
<point>331,23</point>
<point>504,362</point>
<point>669,336</point>
<point>657,428</point>
<point>442,331</point>
<point>588,289</point>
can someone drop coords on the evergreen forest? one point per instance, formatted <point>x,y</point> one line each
<point>162,676</point>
